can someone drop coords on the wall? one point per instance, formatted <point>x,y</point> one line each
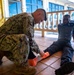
<point>1,13</point>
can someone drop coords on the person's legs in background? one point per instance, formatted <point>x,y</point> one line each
<point>53,48</point>
<point>67,66</point>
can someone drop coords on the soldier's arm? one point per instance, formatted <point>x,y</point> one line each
<point>29,31</point>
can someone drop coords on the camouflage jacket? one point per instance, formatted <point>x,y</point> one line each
<point>21,24</point>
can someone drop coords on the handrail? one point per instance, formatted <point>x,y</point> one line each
<point>53,19</point>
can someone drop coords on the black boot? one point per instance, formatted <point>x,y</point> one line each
<point>1,56</point>
<point>65,69</point>
<point>1,62</point>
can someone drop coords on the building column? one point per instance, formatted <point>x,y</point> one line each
<point>66,7</point>
<point>46,5</point>
<point>6,8</point>
<point>23,6</point>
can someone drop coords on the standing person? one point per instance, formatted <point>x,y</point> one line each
<point>63,44</point>
<point>16,39</point>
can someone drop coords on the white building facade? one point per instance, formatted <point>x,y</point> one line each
<point>13,7</point>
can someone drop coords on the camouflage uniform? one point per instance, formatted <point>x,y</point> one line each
<point>16,36</point>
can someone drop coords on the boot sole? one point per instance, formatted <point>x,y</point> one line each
<point>65,69</point>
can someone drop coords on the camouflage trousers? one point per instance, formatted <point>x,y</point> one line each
<point>17,45</point>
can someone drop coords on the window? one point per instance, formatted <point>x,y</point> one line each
<point>34,8</point>
<point>28,1</point>
<point>40,4</point>
<point>32,5</point>
<point>14,8</point>
<point>70,8</point>
<point>61,8</point>
<point>34,1</point>
<point>19,7</point>
<point>55,7</point>
<point>29,7</point>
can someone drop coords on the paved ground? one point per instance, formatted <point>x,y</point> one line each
<point>44,67</point>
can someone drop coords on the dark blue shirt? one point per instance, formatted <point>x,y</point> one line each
<point>65,31</point>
